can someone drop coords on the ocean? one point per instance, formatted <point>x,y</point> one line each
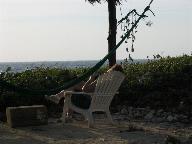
<point>22,66</point>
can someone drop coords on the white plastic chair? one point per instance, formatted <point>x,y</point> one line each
<point>106,87</point>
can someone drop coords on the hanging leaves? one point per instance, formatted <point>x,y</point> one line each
<point>129,22</point>
<point>149,23</point>
<point>99,1</point>
<point>130,58</point>
<point>132,48</point>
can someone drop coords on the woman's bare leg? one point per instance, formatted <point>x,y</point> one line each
<point>57,97</point>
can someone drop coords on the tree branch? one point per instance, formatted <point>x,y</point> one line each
<point>136,13</point>
<point>127,34</point>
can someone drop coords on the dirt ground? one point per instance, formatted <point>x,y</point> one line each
<point>77,132</point>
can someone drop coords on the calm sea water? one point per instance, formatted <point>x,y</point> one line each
<point>22,66</point>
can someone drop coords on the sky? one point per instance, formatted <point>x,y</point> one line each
<point>65,30</point>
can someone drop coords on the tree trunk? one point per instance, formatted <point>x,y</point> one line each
<point>112,30</point>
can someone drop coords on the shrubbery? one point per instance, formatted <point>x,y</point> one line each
<point>36,79</point>
<point>165,83</point>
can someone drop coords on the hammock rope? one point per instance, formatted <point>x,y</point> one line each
<point>72,82</point>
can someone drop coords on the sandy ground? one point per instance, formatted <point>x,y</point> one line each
<point>77,132</point>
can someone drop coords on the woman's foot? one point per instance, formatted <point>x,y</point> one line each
<point>53,98</point>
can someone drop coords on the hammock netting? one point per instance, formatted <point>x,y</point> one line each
<point>8,86</point>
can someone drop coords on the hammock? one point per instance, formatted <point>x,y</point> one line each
<point>21,90</point>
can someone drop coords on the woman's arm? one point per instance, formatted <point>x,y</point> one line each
<point>89,86</point>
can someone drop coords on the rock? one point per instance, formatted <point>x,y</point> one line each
<point>159,112</point>
<point>102,139</point>
<point>158,120</point>
<point>183,118</point>
<point>137,114</point>
<point>59,121</point>
<point>172,118</point>
<point>124,111</point>
<point>130,111</point>
<point>142,112</point>
<point>150,115</point>
<point>119,108</point>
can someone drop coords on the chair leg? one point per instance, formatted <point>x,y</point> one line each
<point>65,111</point>
<point>90,120</point>
<point>109,117</point>
<point>63,116</point>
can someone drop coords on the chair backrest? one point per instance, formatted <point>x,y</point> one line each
<point>106,87</point>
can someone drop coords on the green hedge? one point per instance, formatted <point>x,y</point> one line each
<point>165,83</point>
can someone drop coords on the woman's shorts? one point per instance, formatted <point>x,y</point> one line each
<point>81,100</point>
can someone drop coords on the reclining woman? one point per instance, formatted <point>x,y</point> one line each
<point>84,100</point>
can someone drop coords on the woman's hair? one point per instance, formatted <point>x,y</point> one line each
<point>116,67</point>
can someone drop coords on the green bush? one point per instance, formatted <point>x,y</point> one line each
<point>165,83</point>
